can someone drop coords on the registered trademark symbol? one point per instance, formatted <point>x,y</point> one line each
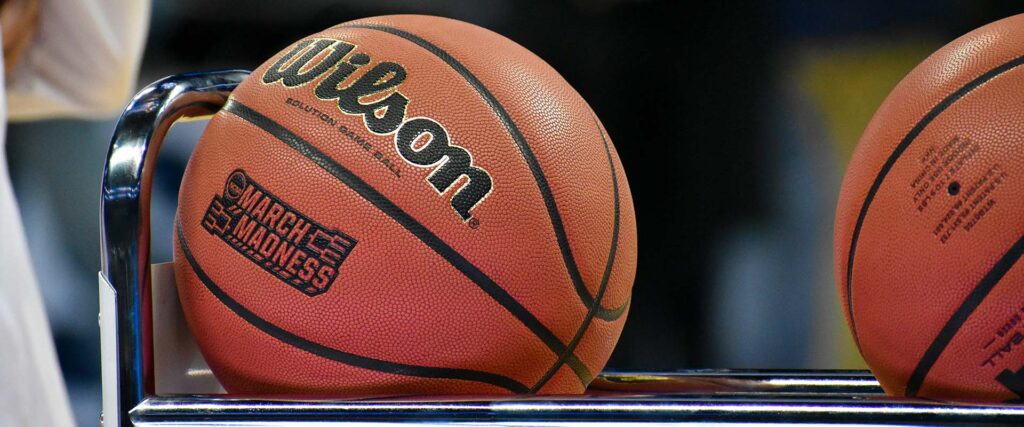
<point>474,223</point>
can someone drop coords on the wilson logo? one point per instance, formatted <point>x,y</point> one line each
<point>275,236</point>
<point>375,95</point>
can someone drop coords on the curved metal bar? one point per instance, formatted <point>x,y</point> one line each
<point>124,213</point>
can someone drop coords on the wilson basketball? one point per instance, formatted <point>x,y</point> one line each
<point>928,230</point>
<point>405,204</point>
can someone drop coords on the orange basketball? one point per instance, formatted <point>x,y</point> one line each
<point>405,204</point>
<point>929,226</point>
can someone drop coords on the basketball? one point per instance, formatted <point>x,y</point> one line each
<point>928,228</point>
<point>405,204</point>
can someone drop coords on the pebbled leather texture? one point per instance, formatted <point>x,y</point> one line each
<point>936,290</point>
<point>427,300</point>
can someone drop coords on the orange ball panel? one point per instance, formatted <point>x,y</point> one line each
<point>459,210</point>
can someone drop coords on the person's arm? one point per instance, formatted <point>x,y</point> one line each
<point>82,60</point>
<point>19,20</point>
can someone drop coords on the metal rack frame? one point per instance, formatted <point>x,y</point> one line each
<point>712,397</point>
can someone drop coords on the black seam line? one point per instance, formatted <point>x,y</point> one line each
<point>604,278</point>
<point>914,132</point>
<point>338,355</point>
<point>524,148</point>
<point>611,314</point>
<point>952,326</point>
<point>417,229</point>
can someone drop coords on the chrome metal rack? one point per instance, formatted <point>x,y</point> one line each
<point>690,397</point>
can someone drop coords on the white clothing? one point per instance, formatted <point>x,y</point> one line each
<point>82,62</point>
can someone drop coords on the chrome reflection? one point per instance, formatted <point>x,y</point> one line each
<point>124,214</point>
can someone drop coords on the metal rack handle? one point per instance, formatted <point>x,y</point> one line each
<point>124,215</point>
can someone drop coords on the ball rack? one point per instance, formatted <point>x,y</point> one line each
<point>685,397</point>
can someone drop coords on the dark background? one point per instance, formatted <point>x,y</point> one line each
<point>733,120</point>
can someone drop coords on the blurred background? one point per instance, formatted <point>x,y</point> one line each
<point>734,159</point>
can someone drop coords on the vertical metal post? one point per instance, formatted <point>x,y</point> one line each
<point>124,216</point>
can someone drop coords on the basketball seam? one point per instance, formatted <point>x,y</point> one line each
<point>431,240</point>
<point>588,300</point>
<point>952,326</point>
<point>591,311</point>
<point>334,354</point>
<point>897,152</point>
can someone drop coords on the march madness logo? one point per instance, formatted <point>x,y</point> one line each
<point>275,236</point>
